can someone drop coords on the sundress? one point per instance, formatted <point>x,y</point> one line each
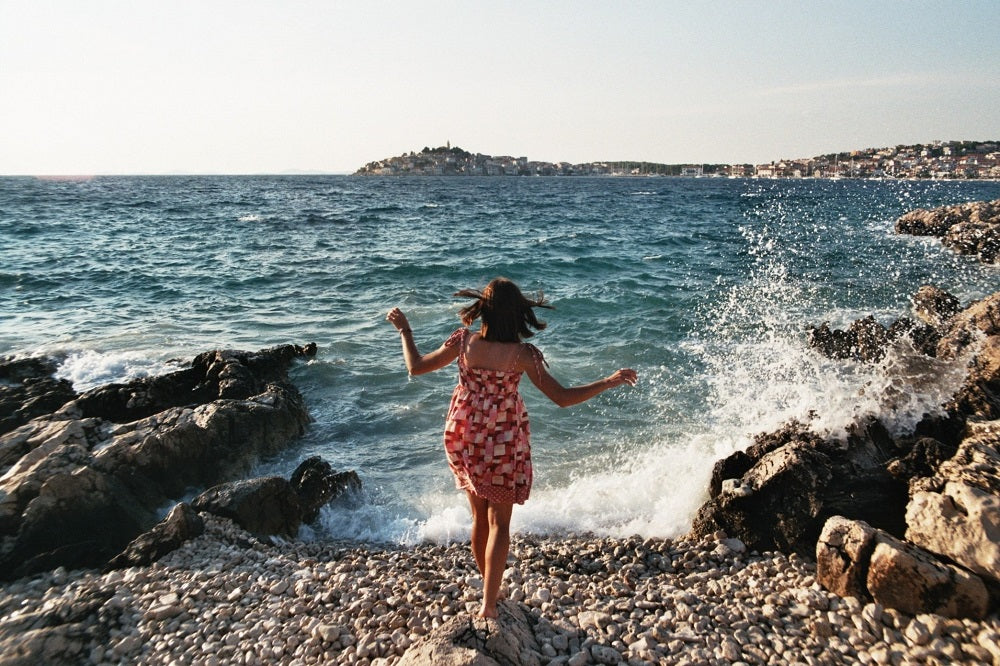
<point>487,435</point>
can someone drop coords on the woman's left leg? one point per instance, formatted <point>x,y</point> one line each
<point>497,548</point>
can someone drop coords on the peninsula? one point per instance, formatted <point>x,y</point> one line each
<point>937,160</point>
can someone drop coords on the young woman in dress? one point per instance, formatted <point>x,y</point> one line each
<point>487,435</point>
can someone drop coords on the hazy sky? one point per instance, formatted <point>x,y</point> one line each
<point>90,87</point>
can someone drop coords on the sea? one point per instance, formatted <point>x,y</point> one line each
<point>707,287</point>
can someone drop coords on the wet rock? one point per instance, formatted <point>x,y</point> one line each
<point>799,480</point>
<point>28,388</point>
<point>935,306</point>
<point>969,228</point>
<point>263,506</point>
<point>317,484</point>
<point>91,480</point>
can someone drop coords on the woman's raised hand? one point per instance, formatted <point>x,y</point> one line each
<point>398,319</point>
<point>624,376</point>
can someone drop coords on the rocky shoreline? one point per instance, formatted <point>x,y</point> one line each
<point>229,597</point>
<point>871,548</point>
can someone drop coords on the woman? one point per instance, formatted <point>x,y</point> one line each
<point>486,432</point>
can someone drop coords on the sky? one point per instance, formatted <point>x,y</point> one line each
<point>101,87</point>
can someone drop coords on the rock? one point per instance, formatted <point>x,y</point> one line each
<point>976,322</point>
<point>868,341</point>
<point>92,480</point>
<point>935,306</point>
<point>969,228</point>
<point>180,525</point>
<point>317,484</point>
<point>906,578</point>
<point>508,640</point>
<point>956,513</point>
<point>855,560</point>
<point>799,480</point>
<point>843,551</point>
<point>264,506</point>
<point>28,388</point>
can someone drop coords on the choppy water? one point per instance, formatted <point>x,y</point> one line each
<point>705,286</point>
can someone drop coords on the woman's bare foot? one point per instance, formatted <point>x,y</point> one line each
<point>486,613</point>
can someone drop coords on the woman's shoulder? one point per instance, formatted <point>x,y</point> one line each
<point>456,337</point>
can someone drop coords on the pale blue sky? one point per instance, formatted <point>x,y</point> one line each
<point>93,87</point>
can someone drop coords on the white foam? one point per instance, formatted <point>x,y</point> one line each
<point>88,368</point>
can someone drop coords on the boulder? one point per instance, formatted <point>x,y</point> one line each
<point>317,484</point>
<point>911,580</point>
<point>263,506</point>
<point>956,512</point>
<point>28,388</point>
<point>798,480</point>
<point>843,551</point>
<point>868,341</point>
<point>81,483</point>
<point>509,640</point>
<point>181,524</point>
<point>973,324</point>
<point>855,559</point>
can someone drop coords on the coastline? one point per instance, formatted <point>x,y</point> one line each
<point>228,597</point>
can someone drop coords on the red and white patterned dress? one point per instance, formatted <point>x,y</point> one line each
<point>486,434</point>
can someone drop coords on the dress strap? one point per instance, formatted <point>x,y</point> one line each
<point>537,357</point>
<point>459,337</point>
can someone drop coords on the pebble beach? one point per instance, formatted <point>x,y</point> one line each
<point>230,598</point>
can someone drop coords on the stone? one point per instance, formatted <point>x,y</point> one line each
<point>318,484</point>
<point>28,388</point>
<point>181,524</point>
<point>935,306</point>
<point>906,578</point>
<point>264,506</point>
<point>970,228</point>
<point>466,641</point>
<point>843,552</point>
<point>94,474</point>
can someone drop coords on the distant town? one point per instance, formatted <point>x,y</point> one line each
<point>964,160</point>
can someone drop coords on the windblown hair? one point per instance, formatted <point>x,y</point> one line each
<point>506,314</point>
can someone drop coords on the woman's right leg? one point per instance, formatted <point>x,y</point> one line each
<point>497,548</point>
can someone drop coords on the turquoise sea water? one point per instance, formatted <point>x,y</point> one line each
<point>705,286</point>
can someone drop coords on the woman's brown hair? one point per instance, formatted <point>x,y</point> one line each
<point>506,314</point>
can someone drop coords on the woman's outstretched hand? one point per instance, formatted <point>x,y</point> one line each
<point>398,319</point>
<point>624,376</point>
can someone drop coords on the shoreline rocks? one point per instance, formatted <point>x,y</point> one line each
<point>909,521</point>
<point>80,483</point>
<point>969,228</point>
<point>229,597</point>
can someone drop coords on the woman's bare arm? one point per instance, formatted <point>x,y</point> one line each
<point>567,396</point>
<point>417,363</point>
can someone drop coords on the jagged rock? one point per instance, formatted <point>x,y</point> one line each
<point>317,484</point>
<point>855,559</point>
<point>956,513</point>
<point>29,389</point>
<point>180,525</point>
<point>909,579</point>
<point>264,506</point>
<point>508,640</point>
<point>935,306</point>
<point>798,480</point>
<point>976,322</point>
<point>969,228</point>
<point>867,340</point>
<point>90,480</point>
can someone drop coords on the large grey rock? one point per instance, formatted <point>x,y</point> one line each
<point>28,388</point>
<point>843,551</point>
<point>264,506</point>
<point>318,484</point>
<point>92,476</point>
<point>467,641</point>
